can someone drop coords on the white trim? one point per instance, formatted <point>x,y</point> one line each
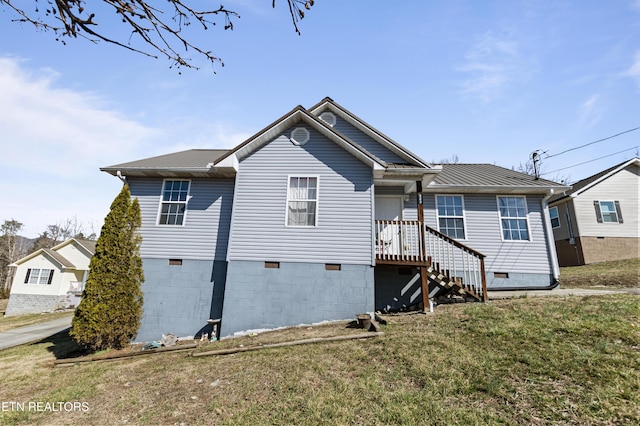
<point>300,140</point>
<point>608,175</point>
<point>358,123</point>
<point>551,244</point>
<point>617,222</point>
<point>526,218</point>
<point>296,116</point>
<point>40,276</point>
<point>373,224</point>
<point>186,202</point>
<point>317,201</point>
<point>464,216</point>
<point>328,117</point>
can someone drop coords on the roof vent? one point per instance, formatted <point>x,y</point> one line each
<point>299,136</point>
<point>329,118</point>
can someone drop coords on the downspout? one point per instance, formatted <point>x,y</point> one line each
<point>550,239</point>
<point>551,246</point>
<point>373,222</point>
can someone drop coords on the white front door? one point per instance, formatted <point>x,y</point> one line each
<point>388,208</point>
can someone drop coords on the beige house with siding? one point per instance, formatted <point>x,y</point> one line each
<point>597,220</point>
<point>50,279</point>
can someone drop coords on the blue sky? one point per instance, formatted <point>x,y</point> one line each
<point>487,81</point>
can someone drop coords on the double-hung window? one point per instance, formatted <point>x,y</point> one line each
<point>555,218</point>
<point>302,201</point>
<point>608,211</point>
<point>173,206</point>
<point>39,276</point>
<point>451,215</point>
<point>513,218</point>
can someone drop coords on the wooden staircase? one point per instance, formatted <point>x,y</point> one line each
<point>444,289</point>
<point>450,270</point>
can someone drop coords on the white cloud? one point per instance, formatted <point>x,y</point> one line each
<point>492,63</point>
<point>54,140</point>
<point>590,111</point>
<point>634,70</point>
<point>45,127</point>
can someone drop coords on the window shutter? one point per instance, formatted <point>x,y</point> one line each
<point>596,204</point>
<point>26,279</point>
<point>50,277</point>
<point>617,203</point>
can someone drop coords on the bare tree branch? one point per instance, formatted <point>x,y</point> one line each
<point>161,30</point>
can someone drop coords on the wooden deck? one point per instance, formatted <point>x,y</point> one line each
<point>445,261</point>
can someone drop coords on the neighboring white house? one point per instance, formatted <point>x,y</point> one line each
<point>597,220</point>
<point>50,279</point>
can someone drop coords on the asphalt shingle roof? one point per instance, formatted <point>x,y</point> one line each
<point>88,244</point>
<point>586,181</point>
<point>192,158</point>
<point>59,258</point>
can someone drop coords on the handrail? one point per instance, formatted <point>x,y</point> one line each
<point>454,242</point>
<point>407,241</point>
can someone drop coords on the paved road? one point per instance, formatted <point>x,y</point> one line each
<point>33,333</point>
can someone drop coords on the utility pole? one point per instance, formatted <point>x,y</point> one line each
<point>535,158</point>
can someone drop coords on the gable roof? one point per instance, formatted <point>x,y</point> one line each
<point>488,178</point>
<point>586,183</point>
<point>332,106</point>
<point>224,163</point>
<point>293,117</point>
<point>88,245</point>
<point>60,259</point>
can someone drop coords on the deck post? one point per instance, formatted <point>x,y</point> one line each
<point>424,279</point>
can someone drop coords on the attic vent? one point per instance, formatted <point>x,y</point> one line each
<point>329,118</point>
<point>300,136</point>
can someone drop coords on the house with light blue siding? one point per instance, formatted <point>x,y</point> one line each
<point>319,216</point>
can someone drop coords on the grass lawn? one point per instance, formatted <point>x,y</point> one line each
<point>616,274</point>
<point>538,361</point>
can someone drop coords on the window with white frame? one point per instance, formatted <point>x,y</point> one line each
<point>173,206</point>
<point>513,218</point>
<point>451,215</point>
<point>302,201</point>
<point>555,218</point>
<point>39,276</point>
<point>608,211</point>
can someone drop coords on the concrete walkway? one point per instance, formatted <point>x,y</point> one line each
<point>497,295</point>
<point>33,333</point>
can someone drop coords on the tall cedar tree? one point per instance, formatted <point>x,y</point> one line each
<point>111,308</point>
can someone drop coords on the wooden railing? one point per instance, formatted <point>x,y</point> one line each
<point>414,243</point>
<point>399,241</point>
<point>456,261</point>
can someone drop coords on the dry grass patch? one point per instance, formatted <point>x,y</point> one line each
<point>572,360</point>
<point>615,274</point>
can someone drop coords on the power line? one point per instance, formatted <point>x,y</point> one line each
<point>590,161</point>
<point>591,143</point>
